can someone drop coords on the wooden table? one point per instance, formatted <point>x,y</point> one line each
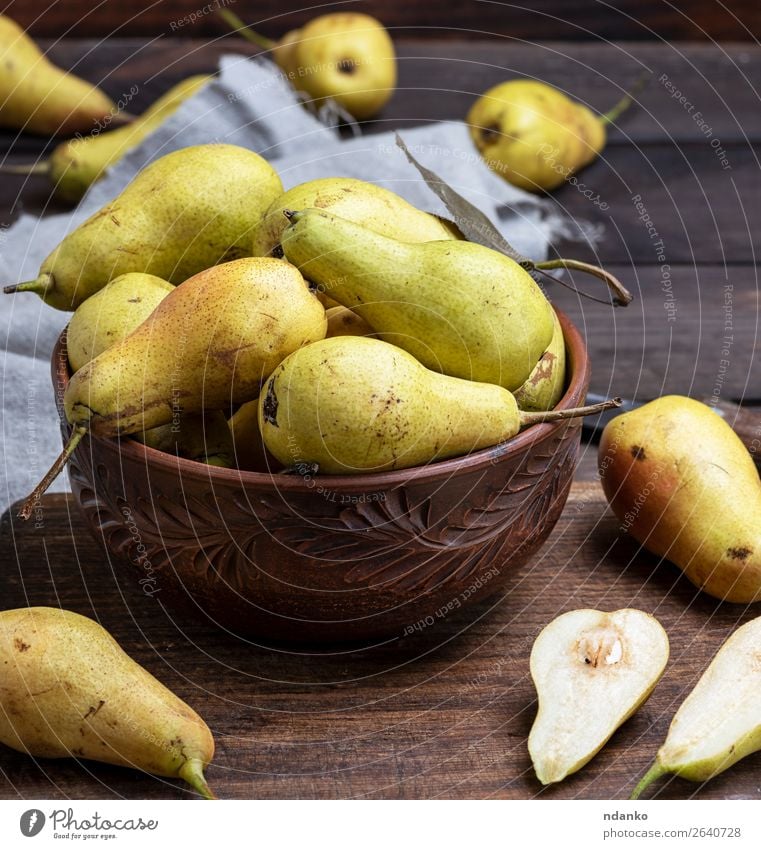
<point>446,713</point>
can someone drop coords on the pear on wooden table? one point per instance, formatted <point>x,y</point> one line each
<point>69,691</point>
<point>685,486</point>
<point>592,670</point>
<point>719,723</point>
<point>38,97</point>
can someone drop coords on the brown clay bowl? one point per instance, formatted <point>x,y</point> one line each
<point>328,558</point>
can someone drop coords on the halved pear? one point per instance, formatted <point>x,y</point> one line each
<point>720,721</point>
<point>592,670</point>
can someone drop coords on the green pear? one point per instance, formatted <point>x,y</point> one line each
<point>38,97</point>
<point>109,315</point>
<point>352,404</point>
<point>364,203</point>
<point>209,344</point>
<point>74,165</point>
<point>545,386</point>
<point>460,308</point>
<point>536,137</point>
<point>69,690</point>
<point>347,57</point>
<point>684,485</point>
<point>720,721</point>
<point>592,671</point>
<point>248,447</point>
<point>185,212</point>
<point>203,437</point>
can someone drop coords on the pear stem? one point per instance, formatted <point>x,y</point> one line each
<point>192,772</point>
<point>27,508</point>
<point>574,413</point>
<point>38,169</point>
<point>237,24</point>
<point>621,295</point>
<point>40,286</point>
<point>653,774</point>
<point>612,115</point>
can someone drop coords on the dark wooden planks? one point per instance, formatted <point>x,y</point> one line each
<point>444,714</point>
<point>706,339</point>
<point>441,79</point>
<point>642,19</point>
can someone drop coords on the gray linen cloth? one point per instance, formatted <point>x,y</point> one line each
<point>252,105</point>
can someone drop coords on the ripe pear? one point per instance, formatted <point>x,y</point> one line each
<point>69,690</point>
<point>347,57</point>
<point>353,404</point>
<point>545,385</point>
<point>460,308</point>
<point>684,485</point>
<point>76,164</point>
<point>719,723</point>
<point>534,136</point>
<point>109,315</point>
<point>185,212</point>
<point>38,97</point>
<point>364,203</point>
<point>248,447</point>
<point>345,322</point>
<point>209,344</point>
<point>592,671</point>
<point>203,437</point>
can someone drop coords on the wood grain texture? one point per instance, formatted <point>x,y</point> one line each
<point>640,19</point>
<point>441,714</point>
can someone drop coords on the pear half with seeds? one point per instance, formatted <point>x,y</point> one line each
<point>720,721</point>
<point>592,670</point>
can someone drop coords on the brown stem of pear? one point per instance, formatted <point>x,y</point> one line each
<point>246,32</point>
<point>38,169</point>
<point>573,413</point>
<point>653,774</point>
<point>192,772</point>
<point>621,295</point>
<point>27,508</point>
<point>626,101</point>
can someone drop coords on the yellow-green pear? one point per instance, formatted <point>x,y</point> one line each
<point>347,57</point>
<point>109,315</point>
<point>69,690</point>
<point>183,213</point>
<point>592,670</point>
<point>353,404</point>
<point>74,165</point>
<point>203,437</point>
<point>248,447</point>
<point>345,322</point>
<point>720,721</point>
<point>209,344</point>
<point>374,207</point>
<point>545,385</point>
<point>459,308</point>
<point>534,136</point>
<point>38,97</point>
<point>684,485</point>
